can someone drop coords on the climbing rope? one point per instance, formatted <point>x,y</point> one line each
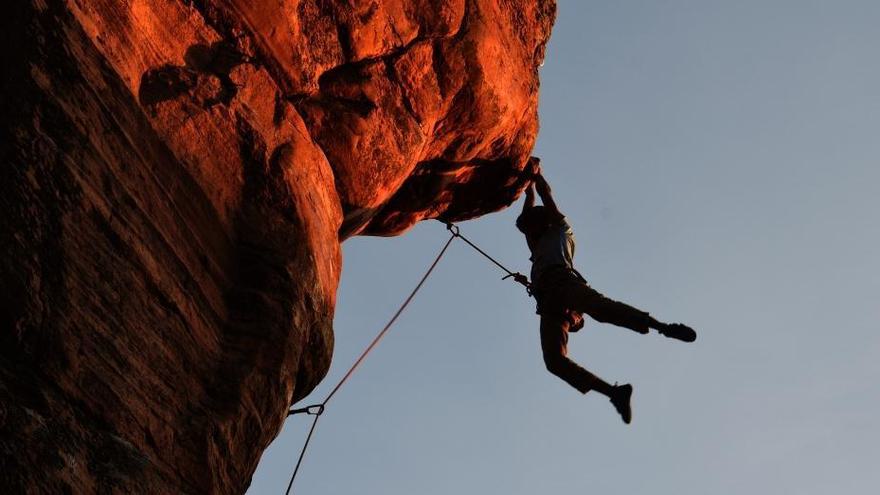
<point>317,409</point>
<point>456,232</point>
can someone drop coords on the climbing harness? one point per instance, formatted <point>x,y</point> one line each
<point>317,409</point>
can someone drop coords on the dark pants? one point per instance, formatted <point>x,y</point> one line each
<point>567,292</point>
<point>576,295</point>
<point>554,344</point>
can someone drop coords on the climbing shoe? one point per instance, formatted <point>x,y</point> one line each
<point>620,396</point>
<point>679,331</point>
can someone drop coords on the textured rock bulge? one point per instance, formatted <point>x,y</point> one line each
<point>178,176</point>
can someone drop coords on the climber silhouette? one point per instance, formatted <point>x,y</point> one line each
<point>563,296</point>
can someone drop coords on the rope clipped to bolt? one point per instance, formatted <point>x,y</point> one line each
<point>317,410</point>
<point>517,277</point>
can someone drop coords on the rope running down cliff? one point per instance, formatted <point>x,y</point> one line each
<point>317,409</point>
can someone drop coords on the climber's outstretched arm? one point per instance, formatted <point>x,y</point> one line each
<point>543,189</point>
<point>533,168</point>
<point>530,196</point>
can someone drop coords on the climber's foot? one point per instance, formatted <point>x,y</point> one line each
<point>620,396</point>
<point>678,331</point>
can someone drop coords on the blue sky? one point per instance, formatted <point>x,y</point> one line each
<point>719,164</point>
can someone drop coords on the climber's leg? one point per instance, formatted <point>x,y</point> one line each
<point>579,296</point>
<point>554,344</point>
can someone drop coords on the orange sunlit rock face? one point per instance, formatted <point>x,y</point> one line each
<point>178,177</point>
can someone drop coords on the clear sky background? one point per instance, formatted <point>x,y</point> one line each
<point>718,161</point>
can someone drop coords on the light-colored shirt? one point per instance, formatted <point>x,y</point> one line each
<point>554,248</point>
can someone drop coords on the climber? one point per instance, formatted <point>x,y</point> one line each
<point>563,295</point>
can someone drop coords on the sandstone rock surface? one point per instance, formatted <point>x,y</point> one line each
<point>178,176</point>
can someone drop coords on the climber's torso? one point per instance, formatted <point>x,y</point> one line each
<point>553,251</point>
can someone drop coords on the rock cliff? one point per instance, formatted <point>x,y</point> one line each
<point>177,178</point>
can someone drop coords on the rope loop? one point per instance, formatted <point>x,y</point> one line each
<point>451,227</point>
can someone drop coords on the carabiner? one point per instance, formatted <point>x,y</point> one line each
<point>313,410</point>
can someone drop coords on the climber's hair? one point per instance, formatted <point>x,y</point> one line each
<point>535,219</point>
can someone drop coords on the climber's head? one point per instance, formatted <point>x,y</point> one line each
<point>534,221</point>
